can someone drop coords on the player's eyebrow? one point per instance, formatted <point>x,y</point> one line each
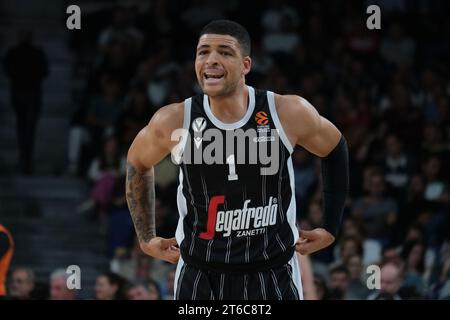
<point>203,46</point>
<point>222,46</point>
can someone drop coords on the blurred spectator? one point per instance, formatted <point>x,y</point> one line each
<point>134,117</point>
<point>138,291</point>
<point>429,93</point>
<point>58,286</point>
<point>440,275</point>
<point>339,281</point>
<point>435,189</point>
<point>261,60</point>
<point>414,206</point>
<point>102,114</point>
<point>157,20</point>
<point>357,288</point>
<point>201,12</point>
<point>433,143</point>
<point>154,290</point>
<point>378,211</point>
<point>169,285</point>
<point>391,278</point>
<point>273,16</point>
<point>315,215</point>
<point>400,115</point>
<point>120,226</point>
<point>121,31</point>
<point>350,120</point>
<point>109,161</point>
<point>392,254</point>
<point>6,254</point>
<point>103,173</point>
<point>26,67</point>
<point>22,283</point>
<point>371,249</point>
<point>413,253</point>
<point>359,40</point>
<point>397,165</point>
<point>322,291</point>
<point>283,41</point>
<point>398,49</point>
<point>348,246</point>
<point>110,286</point>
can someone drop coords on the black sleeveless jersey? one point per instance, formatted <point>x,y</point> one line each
<point>236,195</point>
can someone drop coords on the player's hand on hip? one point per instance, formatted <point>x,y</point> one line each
<point>164,249</point>
<point>313,240</point>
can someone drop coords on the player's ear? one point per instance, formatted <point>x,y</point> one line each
<point>247,62</point>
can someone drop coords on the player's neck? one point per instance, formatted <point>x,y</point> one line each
<point>230,108</point>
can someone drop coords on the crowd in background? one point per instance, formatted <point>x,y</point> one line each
<point>387,90</point>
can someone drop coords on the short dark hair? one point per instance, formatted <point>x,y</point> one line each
<point>340,269</point>
<point>230,28</point>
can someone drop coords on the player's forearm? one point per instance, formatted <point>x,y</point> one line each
<point>140,193</point>
<point>335,176</point>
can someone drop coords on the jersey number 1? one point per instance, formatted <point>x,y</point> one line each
<point>231,168</point>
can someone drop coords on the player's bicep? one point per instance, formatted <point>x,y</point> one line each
<point>317,134</point>
<point>323,139</point>
<point>147,149</point>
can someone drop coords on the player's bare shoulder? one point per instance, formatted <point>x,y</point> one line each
<point>163,123</point>
<point>167,119</point>
<point>154,141</point>
<point>297,115</point>
<point>292,105</point>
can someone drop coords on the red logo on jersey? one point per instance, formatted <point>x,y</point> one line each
<point>245,221</point>
<point>261,118</point>
<point>212,214</point>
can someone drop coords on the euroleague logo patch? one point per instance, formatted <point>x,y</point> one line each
<point>261,118</point>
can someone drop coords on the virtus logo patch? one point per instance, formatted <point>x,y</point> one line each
<point>198,125</point>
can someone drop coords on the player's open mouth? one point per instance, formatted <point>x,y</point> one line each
<point>212,78</point>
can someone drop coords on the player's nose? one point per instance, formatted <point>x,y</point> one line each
<point>212,59</point>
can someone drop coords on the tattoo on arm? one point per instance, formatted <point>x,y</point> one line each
<point>140,192</point>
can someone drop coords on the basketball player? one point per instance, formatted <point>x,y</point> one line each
<point>237,234</point>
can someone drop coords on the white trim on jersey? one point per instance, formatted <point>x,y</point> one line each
<point>178,276</point>
<point>187,113</point>
<point>237,124</point>
<point>182,209</point>
<point>292,209</point>
<point>178,151</point>
<point>277,122</point>
<point>296,275</point>
<point>181,200</point>
<point>266,239</point>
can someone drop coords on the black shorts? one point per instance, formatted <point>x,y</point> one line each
<point>281,283</point>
